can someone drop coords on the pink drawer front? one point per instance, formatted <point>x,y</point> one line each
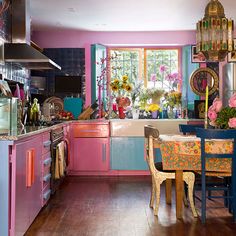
<point>91,130</point>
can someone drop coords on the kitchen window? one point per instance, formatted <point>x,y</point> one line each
<point>143,63</point>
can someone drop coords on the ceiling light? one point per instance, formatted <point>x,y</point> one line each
<point>215,33</point>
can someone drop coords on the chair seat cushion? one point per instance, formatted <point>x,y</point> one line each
<point>159,167</point>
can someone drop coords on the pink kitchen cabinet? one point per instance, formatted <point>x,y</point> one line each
<point>91,148</point>
<point>26,190</point>
<point>92,154</point>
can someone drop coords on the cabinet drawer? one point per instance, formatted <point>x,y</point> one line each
<point>46,179</point>
<point>46,143</point>
<point>91,130</point>
<point>46,194</point>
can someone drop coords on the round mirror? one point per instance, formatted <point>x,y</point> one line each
<point>202,77</point>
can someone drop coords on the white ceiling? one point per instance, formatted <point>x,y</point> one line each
<point>121,15</point>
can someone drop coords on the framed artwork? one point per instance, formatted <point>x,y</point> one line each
<point>231,56</point>
<point>202,77</point>
<point>199,108</point>
<point>197,57</point>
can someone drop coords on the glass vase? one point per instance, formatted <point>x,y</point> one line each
<point>155,114</point>
<point>171,113</point>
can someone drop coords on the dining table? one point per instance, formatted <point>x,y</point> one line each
<point>183,152</point>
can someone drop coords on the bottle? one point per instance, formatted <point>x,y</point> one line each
<point>34,112</point>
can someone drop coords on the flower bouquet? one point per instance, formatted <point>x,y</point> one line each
<point>223,117</point>
<point>155,109</point>
<point>120,86</point>
<point>155,94</point>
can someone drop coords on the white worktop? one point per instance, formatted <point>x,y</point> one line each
<point>135,127</point>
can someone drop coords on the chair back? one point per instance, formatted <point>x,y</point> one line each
<point>207,135</point>
<point>216,134</point>
<point>189,128</point>
<point>150,133</point>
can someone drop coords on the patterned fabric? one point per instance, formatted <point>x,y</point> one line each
<point>186,155</point>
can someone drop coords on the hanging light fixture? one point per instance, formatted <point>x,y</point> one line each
<point>214,33</point>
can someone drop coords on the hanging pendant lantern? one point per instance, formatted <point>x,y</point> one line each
<point>215,33</point>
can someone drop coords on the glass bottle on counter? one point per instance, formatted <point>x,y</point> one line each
<point>34,112</point>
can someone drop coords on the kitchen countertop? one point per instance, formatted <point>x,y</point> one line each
<point>32,130</point>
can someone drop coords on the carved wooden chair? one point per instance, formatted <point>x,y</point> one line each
<point>159,175</point>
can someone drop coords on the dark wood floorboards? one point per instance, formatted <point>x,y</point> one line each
<point>119,206</point>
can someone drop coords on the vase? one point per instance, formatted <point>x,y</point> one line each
<point>155,114</point>
<point>135,113</point>
<point>121,112</point>
<point>171,113</point>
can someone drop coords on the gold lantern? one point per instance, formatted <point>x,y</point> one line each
<point>215,33</point>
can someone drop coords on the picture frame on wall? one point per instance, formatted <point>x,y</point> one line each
<point>197,57</point>
<point>199,108</point>
<point>231,57</point>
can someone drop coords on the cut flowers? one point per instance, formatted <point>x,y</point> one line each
<point>223,117</point>
<point>154,107</point>
<point>121,86</point>
<point>172,99</point>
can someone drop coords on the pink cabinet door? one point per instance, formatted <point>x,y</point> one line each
<point>91,154</point>
<point>26,187</point>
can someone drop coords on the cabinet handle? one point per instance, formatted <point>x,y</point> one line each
<point>47,143</point>
<point>47,194</point>
<point>28,168</point>
<point>47,177</point>
<point>47,161</point>
<point>90,130</point>
<point>30,160</point>
<point>104,152</point>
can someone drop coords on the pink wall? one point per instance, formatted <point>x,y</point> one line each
<point>83,39</point>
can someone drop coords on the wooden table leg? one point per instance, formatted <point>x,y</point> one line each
<point>179,188</point>
<point>168,191</point>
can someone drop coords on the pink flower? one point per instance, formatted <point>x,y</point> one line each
<point>232,122</point>
<point>153,77</point>
<point>212,114</point>
<point>170,78</point>
<point>163,68</point>
<point>232,101</point>
<point>217,105</point>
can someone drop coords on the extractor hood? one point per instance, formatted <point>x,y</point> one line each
<point>19,51</point>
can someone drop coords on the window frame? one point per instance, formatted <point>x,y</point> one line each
<point>142,74</point>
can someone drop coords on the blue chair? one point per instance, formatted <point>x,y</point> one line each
<point>189,128</point>
<point>229,188</point>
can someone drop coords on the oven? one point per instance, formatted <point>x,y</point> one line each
<point>59,153</point>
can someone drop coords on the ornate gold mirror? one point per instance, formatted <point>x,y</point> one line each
<point>202,77</point>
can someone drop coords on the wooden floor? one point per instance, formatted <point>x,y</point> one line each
<point>119,206</point>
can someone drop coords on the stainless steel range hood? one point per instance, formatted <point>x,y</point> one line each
<point>20,51</point>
